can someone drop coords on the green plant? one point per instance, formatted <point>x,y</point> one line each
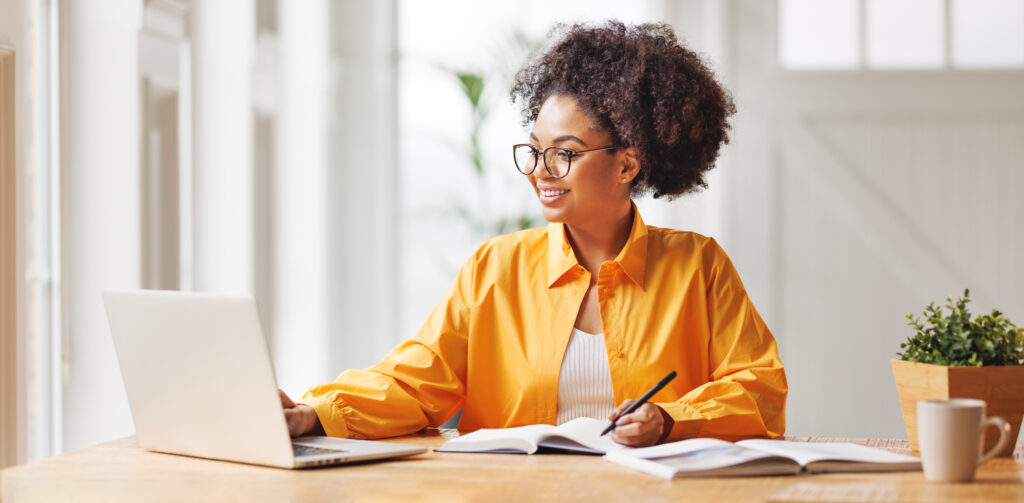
<point>484,221</point>
<point>487,217</point>
<point>955,340</point>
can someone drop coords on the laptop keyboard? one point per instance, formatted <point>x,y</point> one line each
<point>309,450</point>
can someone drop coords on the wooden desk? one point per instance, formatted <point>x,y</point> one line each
<point>121,471</point>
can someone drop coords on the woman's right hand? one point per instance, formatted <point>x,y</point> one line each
<point>301,418</point>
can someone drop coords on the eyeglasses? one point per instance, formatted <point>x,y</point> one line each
<point>557,160</point>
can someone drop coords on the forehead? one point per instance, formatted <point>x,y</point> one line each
<point>561,115</point>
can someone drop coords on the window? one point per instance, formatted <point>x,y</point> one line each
<point>900,34</point>
<point>987,33</point>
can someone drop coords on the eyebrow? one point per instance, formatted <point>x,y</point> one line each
<point>565,137</point>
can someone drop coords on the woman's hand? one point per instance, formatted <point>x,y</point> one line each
<point>640,428</point>
<point>301,419</point>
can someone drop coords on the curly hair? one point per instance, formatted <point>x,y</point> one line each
<point>640,84</point>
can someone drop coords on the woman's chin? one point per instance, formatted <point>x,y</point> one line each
<point>553,215</point>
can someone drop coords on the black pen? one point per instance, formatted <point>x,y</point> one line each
<point>636,405</point>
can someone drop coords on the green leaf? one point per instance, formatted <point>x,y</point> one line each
<point>472,87</point>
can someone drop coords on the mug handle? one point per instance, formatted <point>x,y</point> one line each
<point>1004,435</point>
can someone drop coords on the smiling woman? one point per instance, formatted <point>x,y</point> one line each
<point>549,324</point>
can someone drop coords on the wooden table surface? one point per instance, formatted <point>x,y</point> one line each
<point>120,471</point>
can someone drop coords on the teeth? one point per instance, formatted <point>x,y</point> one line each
<point>552,193</point>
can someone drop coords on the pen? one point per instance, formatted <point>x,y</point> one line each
<point>636,405</point>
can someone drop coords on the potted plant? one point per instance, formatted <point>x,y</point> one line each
<point>952,355</point>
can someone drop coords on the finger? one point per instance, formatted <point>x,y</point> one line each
<point>645,412</point>
<point>286,402</point>
<point>622,407</point>
<point>636,434</point>
<point>635,440</point>
<point>624,420</point>
<point>641,415</point>
<point>634,429</point>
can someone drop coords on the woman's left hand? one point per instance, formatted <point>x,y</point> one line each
<point>640,428</point>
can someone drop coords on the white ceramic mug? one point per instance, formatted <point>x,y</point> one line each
<point>949,436</point>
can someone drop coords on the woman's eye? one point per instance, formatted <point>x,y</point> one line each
<point>564,156</point>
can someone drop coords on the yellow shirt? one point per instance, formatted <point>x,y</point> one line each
<point>493,346</point>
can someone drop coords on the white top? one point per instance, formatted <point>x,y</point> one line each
<point>585,382</point>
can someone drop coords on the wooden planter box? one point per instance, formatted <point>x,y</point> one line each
<point>1002,389</point>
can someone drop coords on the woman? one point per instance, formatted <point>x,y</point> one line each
<point>549,324</point>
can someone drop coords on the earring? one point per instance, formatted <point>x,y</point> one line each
<point>623,179</point>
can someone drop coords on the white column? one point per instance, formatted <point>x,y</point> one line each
<point>299,199</point>
<point>363,184</point>
<point>334,189</point>
<point>223,34</point>
<point>99,179</point>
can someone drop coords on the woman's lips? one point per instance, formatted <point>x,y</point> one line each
<point>548,196</point>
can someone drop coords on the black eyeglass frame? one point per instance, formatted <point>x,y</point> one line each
<point>544,157</point>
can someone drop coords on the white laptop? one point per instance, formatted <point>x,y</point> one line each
<point>200,383</point>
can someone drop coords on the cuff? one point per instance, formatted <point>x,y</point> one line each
<point>686,421</point>
<point>331,417</point>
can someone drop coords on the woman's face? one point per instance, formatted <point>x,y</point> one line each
<point>594,189</point>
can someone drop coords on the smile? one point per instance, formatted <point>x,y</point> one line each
<point>552,193</point>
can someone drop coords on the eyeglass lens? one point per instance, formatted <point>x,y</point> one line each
<point>556,160</point>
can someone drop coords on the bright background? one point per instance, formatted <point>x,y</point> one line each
<point>318,155</point>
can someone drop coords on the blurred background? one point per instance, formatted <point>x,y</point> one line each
<point>340,159</point>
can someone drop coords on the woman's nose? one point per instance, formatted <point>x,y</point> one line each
<point>541,171</point>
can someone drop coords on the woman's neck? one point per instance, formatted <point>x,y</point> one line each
<point>600,241</point>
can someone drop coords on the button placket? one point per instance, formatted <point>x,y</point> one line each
<point>605,279</point>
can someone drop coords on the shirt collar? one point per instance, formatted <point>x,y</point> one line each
<point>632,258</point>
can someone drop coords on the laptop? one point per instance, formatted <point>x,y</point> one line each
<point>200,382</point>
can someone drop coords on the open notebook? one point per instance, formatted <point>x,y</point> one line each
<point>708,457</point>
<point>581,435</point>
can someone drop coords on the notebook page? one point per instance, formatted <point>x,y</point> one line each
<point>678,447</point>
<point>809,452</point>
<point>522,438</point>
<point>712,458</point>
<point>585,431</point>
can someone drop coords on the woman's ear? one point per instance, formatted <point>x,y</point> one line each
<point>630,165</point>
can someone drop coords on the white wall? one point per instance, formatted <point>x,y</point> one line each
<point>855,198</point>
<point>99,181</point>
